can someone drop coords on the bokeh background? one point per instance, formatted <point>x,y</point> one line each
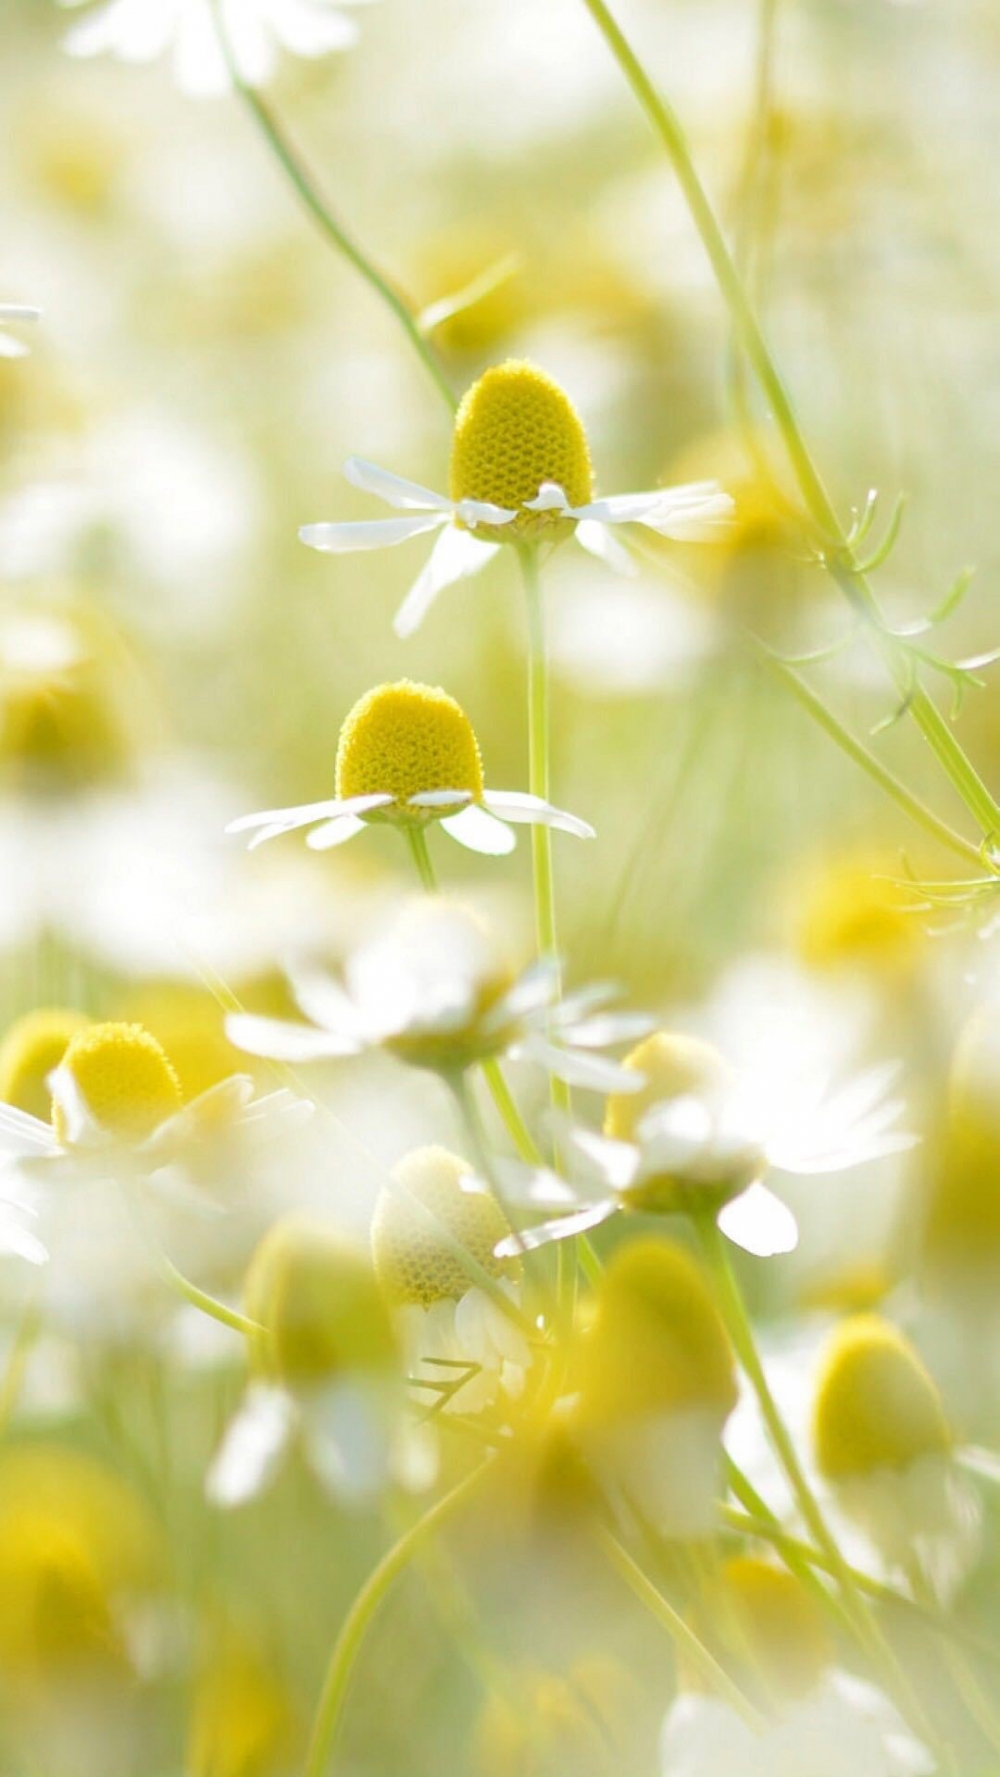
<point>170,656</point>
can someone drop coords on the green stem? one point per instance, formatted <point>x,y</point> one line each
<point>886,780</point>
<point>227,1317</point>
<point>417,840</point>
<point>372,1594</point>
<point>866,1629</point>
<point>838,556</point>
<point>683,1636</point>
<point>328,224</point>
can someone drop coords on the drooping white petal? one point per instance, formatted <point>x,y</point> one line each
<point>335,832</point>
<point>312,31</point>
<point>278,1040</point>
<point>580,1222</point>
<point>271,823</point>
<point>17,1242</point>
<point>396,491</point>
<point>347,1443</point>
<point>520,806</point>
<point>590,1072</point>
<point>374,533</point>
<point>323,1001</point>
<point>11,347</point>
<point>606,1028</point>
<point>252,1447</point>
<point>597,540</point>
<point>549,498</point>
<point>18,311</point>
<point>760,1223</point>
<point>617,1161</point>
<point>456,555</point>
<point>214,1108</point>
<point>534,1187</point>
<point>532,992</point>
<point>695,513</point>
<point>475,512</point>
<point>479,831</point>
<point>21,1133</point>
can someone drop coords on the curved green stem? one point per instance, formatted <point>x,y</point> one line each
<point>216,1310</point>
<point>372,1594</point>
<point>838,556</point>
<point>330,227</point>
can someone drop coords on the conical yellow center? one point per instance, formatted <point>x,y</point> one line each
<point>415,1251</point>
<point>124,1078</point>
<point>404,739</point>
<point>514,430</point>
<point>318,1305</point>
<point>33,1047</point>
<point>876,1405</point>
<point>673,1067</point>
<point>657,1343</point>
<point>782,1629</point>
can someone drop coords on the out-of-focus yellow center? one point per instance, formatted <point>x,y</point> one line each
<point>403,739</point>
<point>515,429</point>
<point>414,1261</point>
<point>782,1630</point>
<point>124,1078</point>
<point>316,1301</point>
<point>854,915</point>
<point>876,1405</point>
<point>674,1067</point>
<point>656,1343</point>
<point>33,1046</point>
<point>243,1721</point>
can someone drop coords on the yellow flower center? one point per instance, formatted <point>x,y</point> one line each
<point>656,1343</point>
<point>124,1078</point>
<point>674,1067</point>
<point>515,429</point>
<point>243,1719</point>
<point>782,1630</point>
<point>318,1305</point>
<point>876,1405</point>
<point>65,719</point>
<point>33,1047</point>
<point>401,740</point>
<point>418,1254</point>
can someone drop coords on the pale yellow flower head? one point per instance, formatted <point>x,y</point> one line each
<point>777,1627</point>
<point>515,429</point>
<point>126,1082</point>
<point>32,1047</point>
<point>243,1719</point>
<point>415,1261</point>
<point>876,1405</point>
<point>320,1312</point>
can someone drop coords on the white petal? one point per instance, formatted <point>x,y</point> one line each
<point>518,805</point>
<point>347,1440</point>
<point>271,823</point>
<point>479,831</point>
<point>439,798</point>
<point>16,1242</point>
<point>605,1028</point>
<point>251,1448</point>
<point>335,832</point>
<point>549,498</point>
<point>18,311</point>
<point>597,540</point>
<point>590,1072</point>
<point>323,1001</point>
<point>534,1187</point>
<point>532,992</point>
<point>23,1134</point>
<point>618,1161</point>
<point>456,555</point>
<point>11,347</point>
<point>473,512</point>
<point>698,512</point>
<point>375,533</point>
<point>760,1223</point>
<point>393,488</point>
<point>563,1229</point>
<point>278,1040</point>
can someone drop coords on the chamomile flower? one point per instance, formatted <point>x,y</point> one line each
<point>325,1368</point>
<point>656,1383</point>
<point>408,755</point>
<point>695,1137</point>
<point>463,1350</point>
<point>143,30</point>
<point>520,473</point>
<point>433,988</point>
<point>15,314</point>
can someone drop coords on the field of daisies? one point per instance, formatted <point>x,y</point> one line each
<point>499,888</point>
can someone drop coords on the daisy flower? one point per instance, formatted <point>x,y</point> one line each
<point>432,988</point>
<point>408,755</point>
<point>15,313</point>
<point>463,1351</point>
<point>520,473</point>
<point>694,1136</point>
<point>325,1372</point>
<point>143,30</point>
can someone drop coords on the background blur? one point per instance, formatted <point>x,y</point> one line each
<point>170,656</point>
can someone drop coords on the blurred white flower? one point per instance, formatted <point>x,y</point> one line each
<point>143,30</point>
<point>14,313</point>
<point>840,1728</point>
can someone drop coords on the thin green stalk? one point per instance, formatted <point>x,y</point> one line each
<point>838,556</point>
<point>227,1317</point>
<point>866,1628</point>
<point>417,840</point>
<point>371,1596</point>
<point>683,1636</point>
<point>333,230</point>
<point>886,780</point>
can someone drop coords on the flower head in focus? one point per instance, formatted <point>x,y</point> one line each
<point>325,1371</point>
<point>463,1348</point>
<point>408,755</point>
<point>695,1137</point>
<point>434,988</point>
<point>143,30</point>
<point>520,473</point>
<point>15,314</point>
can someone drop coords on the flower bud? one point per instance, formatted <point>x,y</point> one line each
<point>318,1307</point>
<point>876,1405</point>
